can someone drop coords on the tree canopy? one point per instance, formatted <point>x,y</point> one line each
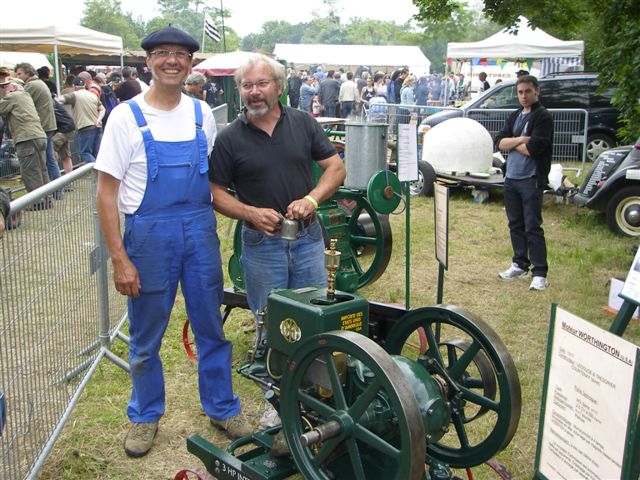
<point>610,29</point>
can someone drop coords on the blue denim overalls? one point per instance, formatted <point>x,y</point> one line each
<point>172,237</point>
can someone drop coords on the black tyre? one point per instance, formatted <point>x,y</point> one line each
<point>598,143</point>
<point>426,179</point>
<point>623,211</point>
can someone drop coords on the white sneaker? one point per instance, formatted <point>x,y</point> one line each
<point>270,417</point>
<point>514,271</point>
<point>539,283</point>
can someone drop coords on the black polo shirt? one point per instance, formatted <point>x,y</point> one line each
<point>269,172</point>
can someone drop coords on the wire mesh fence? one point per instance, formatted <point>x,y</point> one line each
<point>56,308</point>
<point>569,130</point>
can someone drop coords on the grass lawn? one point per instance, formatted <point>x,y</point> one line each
<point>583,256</point>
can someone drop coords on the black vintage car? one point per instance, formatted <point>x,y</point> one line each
<point>613,186</point>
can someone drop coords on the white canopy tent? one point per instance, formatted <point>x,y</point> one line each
<point>57,39</point>
<point>528,43</point>
<point>10,59</point>
<point>354,55</point>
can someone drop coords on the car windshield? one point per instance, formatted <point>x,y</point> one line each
<point>500,98</point>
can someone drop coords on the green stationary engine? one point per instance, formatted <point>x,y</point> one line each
<point>367,391</point>
<point>439,391</point>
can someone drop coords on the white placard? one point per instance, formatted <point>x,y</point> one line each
<point>631,289</point>
<point>441,201</point>
<point>407,152</point>
<point>588,401</point>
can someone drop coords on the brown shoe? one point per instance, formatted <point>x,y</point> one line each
<point>139,440</point>
<point>234,427</point>
<point>279,447</point>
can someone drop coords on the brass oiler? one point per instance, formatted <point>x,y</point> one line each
<point>331,263</point>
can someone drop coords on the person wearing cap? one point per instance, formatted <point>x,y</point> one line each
<point>30,140</point>
<point>522,73</point>
<point>88,113</point>
<point>153,169</point>
<point>266,156</point>
<point>43,102</point>
<point>90,84</point>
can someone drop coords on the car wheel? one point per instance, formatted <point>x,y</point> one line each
<point>598,143</point>
<point>426,179</point>
<point>623,212</point>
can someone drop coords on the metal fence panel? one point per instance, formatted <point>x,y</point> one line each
<point>49,279</point>
<point>569,130</point>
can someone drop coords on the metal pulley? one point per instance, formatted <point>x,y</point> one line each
<point>384,192</point>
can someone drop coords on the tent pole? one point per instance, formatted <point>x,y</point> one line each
<point>56,64</point>
<point>121,60</point>
<point>446,83</point>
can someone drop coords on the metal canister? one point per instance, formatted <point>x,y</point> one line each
<point>365,153</point>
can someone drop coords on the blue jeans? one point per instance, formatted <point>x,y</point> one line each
<point>346,109</point>
<point>523,205</point>
<point>53,170</point>
<point>271,262</point>
<point>88,141</point>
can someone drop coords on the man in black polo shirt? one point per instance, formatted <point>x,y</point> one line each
<point>266,155</point>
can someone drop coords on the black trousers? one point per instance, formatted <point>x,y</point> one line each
<point>523,205</point>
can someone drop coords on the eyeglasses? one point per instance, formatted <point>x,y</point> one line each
<point>261,85</point>
<point>179,54</point>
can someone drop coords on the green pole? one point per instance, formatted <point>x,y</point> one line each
<point>407,279</point>
<point>440,282</point>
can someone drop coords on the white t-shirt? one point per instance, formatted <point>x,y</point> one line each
<point>122,153</point>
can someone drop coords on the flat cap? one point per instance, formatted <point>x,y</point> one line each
<point>170,36</point>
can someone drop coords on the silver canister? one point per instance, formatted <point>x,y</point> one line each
<point>365,153</point>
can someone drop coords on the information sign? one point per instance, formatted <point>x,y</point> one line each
<point>589,402</point>
<point>441,212</point>
<point>407,153</point>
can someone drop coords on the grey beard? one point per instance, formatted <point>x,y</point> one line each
<point>258,112</point>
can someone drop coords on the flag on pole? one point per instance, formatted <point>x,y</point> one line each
<point>210,29</point>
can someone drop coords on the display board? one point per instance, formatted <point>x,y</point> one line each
<point>407,153</point>
<point>589,402</point>
<point>441,212</point>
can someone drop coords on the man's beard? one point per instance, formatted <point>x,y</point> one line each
<point>261,111</point>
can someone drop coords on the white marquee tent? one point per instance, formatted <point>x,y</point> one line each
<point>57,39</point>
<point>528,43</point>
<point>354,55</point>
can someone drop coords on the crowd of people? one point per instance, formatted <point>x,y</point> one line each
<point>43,125</point>
<point>336,93</point>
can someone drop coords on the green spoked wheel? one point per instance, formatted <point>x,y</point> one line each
<point>479,377</point>
<point>347,387</point>
<point>370,238</point>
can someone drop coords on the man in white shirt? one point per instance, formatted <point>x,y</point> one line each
<point>153,169</point>
<point>348,96</point>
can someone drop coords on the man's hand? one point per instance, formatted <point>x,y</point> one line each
<point>266,220</point>
<point>126,278</point>
<point>1,227</point>
<point>299,209</point>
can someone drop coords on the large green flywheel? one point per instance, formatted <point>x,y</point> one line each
<point>347,410</point>
<point>479,376</point>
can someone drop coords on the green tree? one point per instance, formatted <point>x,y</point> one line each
<point>610,28</point>
<point>272,32</point>
<point>106,16</point>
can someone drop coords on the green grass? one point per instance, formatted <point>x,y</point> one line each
<point>583,256</point>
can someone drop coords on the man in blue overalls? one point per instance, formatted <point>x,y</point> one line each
<point>153,169</point>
